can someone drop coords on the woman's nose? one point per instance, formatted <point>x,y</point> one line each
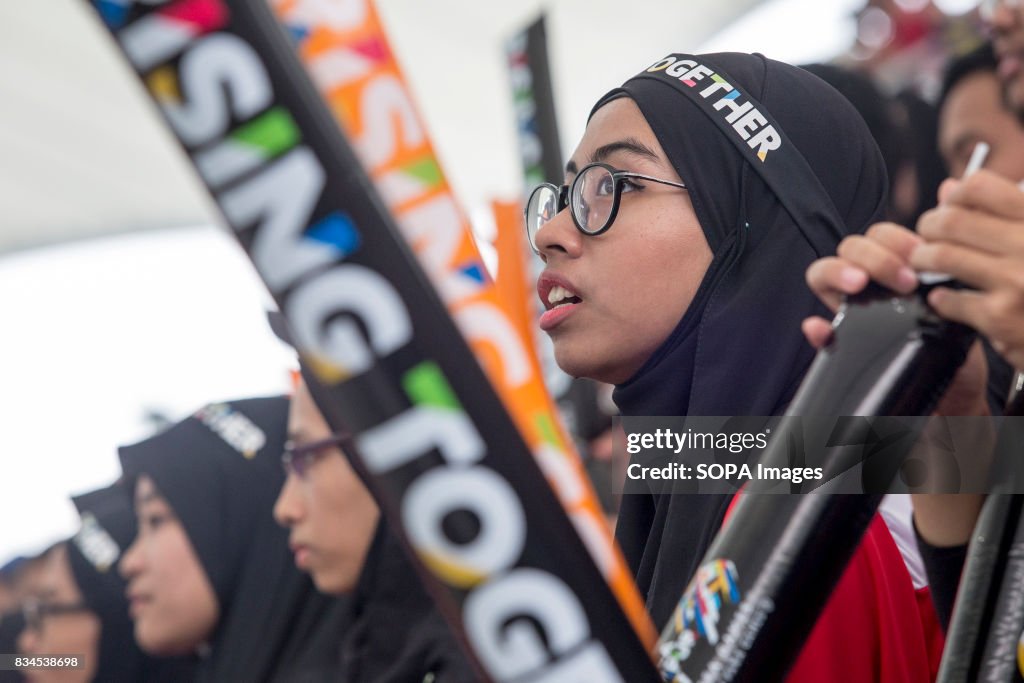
<point>288,507</point>
<point>129,566</point>
<point>559,236</point>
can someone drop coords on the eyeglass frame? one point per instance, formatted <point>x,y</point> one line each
<point>308,453</point>
<point>35,611</point>
<point>563,193</point>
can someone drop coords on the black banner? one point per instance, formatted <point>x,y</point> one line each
<point>447,465</point>
<point>890,356</point>
<point>984,639</point>
<point>534,100</point>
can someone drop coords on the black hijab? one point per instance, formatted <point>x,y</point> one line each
<point>396,634</point>
<point>108,527</point>
<point>220,470</point>
<point>738,350</point>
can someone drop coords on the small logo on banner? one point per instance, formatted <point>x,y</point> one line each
<point>697,615</point>
<point>747,120</point>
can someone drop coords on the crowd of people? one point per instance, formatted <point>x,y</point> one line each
<point>241,544</point>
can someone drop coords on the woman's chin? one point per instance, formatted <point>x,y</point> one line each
<point>157,645</point>
<point>335,583</point>
<point>580,363</point>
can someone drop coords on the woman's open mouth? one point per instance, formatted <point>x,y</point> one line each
<point>558,298</point>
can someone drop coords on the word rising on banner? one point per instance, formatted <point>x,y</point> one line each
<point>449,467</point>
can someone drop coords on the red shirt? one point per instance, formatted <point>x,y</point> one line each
<point>876,628</point>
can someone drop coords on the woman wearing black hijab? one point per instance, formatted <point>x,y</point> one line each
<point>394,633</point>
<point>79,605</point>
<point>108,527</point>
<point>678,276</point>
<point>210,571</point>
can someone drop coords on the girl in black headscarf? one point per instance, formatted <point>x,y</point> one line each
<point>79,606</point>
<point>395,633</point>
<point>108,527</point>
<point>210,571</point>
<point>678,275</point>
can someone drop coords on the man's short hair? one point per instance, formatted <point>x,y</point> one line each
<point>982,58</point>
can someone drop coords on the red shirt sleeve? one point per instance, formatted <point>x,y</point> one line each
<point>876,628</point>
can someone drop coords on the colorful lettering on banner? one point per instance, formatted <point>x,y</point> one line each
<point>344,49</point>
<point>383,358</point>
<point>714,584</point>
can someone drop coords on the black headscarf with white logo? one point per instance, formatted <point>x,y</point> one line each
<point>738,349</point>
<point>108,528</point>
<point>220,471</point>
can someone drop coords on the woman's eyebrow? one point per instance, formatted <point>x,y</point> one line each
<point>631,145</point>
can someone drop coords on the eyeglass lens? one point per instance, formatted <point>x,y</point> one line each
<point>593,195</point>
<point>591,200</point>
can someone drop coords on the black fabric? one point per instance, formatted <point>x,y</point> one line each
<point>943,567</point>
<point>108,529</point>
<point>874,106</point>
<point>11,626</point>
<point>738,350</point>
<point>221,477</point>
<point>1000,378</point>
<point>396,634</point>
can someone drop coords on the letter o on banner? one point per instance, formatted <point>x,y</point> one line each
<point>477,490</point>
<point>502,617</point>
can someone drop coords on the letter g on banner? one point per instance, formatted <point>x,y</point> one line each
<point>510,619</point>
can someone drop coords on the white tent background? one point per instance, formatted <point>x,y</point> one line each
<point>105,326</point>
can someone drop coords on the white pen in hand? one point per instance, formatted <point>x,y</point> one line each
<point>974,164</point>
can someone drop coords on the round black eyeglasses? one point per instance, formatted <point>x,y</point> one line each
<point>593,199</point>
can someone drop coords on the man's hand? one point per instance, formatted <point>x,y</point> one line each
<point>976,234</point>
<point>884,255</point>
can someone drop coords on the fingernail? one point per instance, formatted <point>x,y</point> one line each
<point>906,279</point>
<point>853,279</point>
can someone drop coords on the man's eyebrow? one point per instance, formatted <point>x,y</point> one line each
<point>630,145</point>
<point>964,143</point>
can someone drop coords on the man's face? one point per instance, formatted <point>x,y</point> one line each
<point>974,112</point>
<point>1007,24</point>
